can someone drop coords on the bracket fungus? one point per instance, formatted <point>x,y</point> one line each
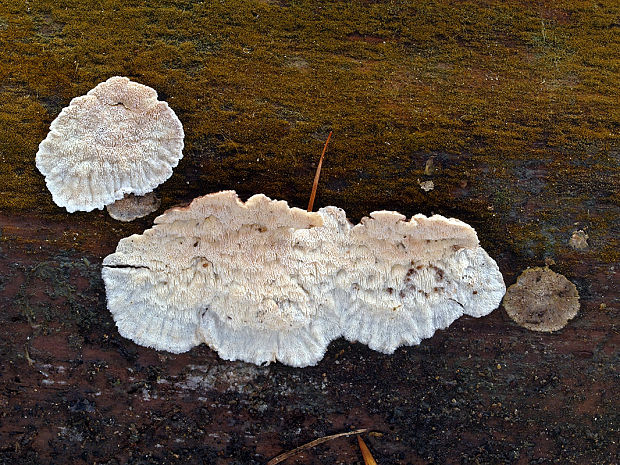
<point>117,139</point>
<point>226,273</point>
<point>133,206</point>
<point>260,281</point>
<point>542,300</point>
<point>402,280</point>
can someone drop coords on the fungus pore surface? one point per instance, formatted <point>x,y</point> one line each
<point>117,139</point>
<point>260,281</point>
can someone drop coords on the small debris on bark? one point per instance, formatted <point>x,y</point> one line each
<point>427,185</point>
<point>579,240</point>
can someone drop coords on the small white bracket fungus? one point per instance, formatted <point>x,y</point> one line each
<point>261,281</point>
<point>116,140</point>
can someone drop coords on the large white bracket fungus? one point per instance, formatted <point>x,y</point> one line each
<point>226,273</point>
<point>118,139</point>
<point>402,280</point>
<point>261,281</point>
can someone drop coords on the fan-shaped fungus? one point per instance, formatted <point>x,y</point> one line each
<point>542,300</point>
<point>118,139</point>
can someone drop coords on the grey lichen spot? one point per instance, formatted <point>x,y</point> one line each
<point>236,377</point>
<point>133,206</point>
<point>542,300</point>
<point>296,62</point>
<point>579,240</point>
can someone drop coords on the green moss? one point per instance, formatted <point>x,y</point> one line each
<point>488,86</point>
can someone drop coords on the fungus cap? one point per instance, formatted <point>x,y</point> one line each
<point>222,272</point>
<point>260,281</point>
<point>542,300</point>
<point>400,281</point>
<point>115,140</point>
<point>133,206</point>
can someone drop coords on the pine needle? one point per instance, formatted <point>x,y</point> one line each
<point>27,355</point>
<point>311,444</point>
<point>318,173</point>
<point>367,456</point>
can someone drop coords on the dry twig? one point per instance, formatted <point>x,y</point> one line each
<point>311,444</point>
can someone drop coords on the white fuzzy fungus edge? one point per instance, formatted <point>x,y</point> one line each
<point>115,140</point>
<point>226,273</point>
<point>260,281</point>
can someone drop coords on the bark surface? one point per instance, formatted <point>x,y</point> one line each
<point>510,109</point>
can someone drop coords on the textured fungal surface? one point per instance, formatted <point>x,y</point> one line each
<point>259,281</point>
<point>516,102</point>
<point>542,300</point>
<point>117,139</point>
<point>133,206</point>
<point>403,280</point>
<point>226,273</point>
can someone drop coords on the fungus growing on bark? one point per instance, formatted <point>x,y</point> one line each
<point>402,280</point>
<point>226,273</point>
<point>133,206</point>
<point>579,240</point>
<point>261,281</point>
<point>542,300</point>
<point>117,139</point>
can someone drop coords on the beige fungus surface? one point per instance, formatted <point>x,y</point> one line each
<point>133,206</point>
<point>260,281</point>
<point>542,300</point>
<point>116,140</point>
